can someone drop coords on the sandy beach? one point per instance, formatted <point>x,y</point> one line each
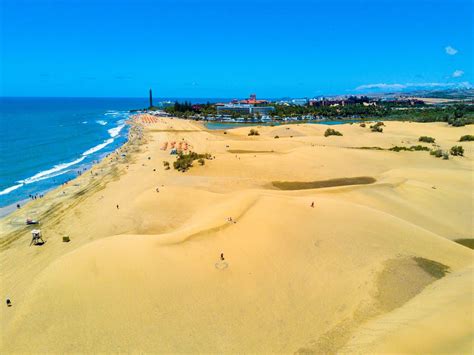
<point>233,256</point>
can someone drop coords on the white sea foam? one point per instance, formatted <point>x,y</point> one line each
<point>57,170</point>
<point>10,189</point>
<point>116,130</point>
<point>113,113</point>
<point>97,147</point>
<point>54,171</point>
<point>61,169</point>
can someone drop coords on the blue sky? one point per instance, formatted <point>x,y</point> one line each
<point>220,48</point>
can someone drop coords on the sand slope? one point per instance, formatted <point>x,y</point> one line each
<point>339,277</point>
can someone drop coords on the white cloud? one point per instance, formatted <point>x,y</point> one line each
<point>450,50</point>
<point>458,73</point>
<point>401,87</point>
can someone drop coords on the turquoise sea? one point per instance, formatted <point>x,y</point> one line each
<point>46,141</point>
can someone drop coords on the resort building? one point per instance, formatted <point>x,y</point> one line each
<point>244,109</point>
<point>252,100</point>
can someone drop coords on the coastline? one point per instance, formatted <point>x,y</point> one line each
<point>64,193</point>
<point>70,134</point>
<point>83,168</point>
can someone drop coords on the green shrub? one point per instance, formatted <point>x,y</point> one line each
<point>253,132</point>
<point>445,155</point>
<point>426,139</point>
<point>438,153</point>
<point>332,132</point>
<point>185,161</point>
<point>369,148</point>
<point>362,125</point>
<point>201,161</point>
<point>398,149</point>
<point>467,138</point>
<point>457,150</point>
<point>377,127</point>
<point>419,147</point>
<point>413,148</point>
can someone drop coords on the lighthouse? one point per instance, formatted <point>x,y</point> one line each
<point>151,99</point>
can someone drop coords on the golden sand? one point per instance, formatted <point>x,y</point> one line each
<point>360,272</point>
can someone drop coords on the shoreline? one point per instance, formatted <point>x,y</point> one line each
<point>85,168</point>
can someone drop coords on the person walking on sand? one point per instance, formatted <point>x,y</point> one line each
<point>117,206</point>
<point>312,204</point>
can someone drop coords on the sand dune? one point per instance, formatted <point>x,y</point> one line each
<point>371,268</point>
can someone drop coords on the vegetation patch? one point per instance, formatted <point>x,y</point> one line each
<point>467,138</point>
<point>362,125</point>
<point>438,153</point>
<point>413,148</point>
<point>432,267</point>
<point>467,242</point>
<point>370,148</point>
<point>457,150</point>
<point>305,185</point>
<point>185,161</point>
<point>253,132</point>
<point>166,164</point>
<point>377,127</point>
<point>332,132</point>
<point>426,139</point>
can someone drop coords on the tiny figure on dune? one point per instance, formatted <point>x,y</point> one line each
<point>9,303</point>
<point>157,189</point>
<point>117,206</point>
<point>312,204</point>
<point>222,256</point>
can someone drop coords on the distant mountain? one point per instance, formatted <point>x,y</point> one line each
<point>384,89</point>
<point>462,93</point>
<point>453,94</point>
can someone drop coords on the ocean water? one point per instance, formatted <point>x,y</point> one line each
<point>46,141</point>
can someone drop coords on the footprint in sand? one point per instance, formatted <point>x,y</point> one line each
<point>221,265</point>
